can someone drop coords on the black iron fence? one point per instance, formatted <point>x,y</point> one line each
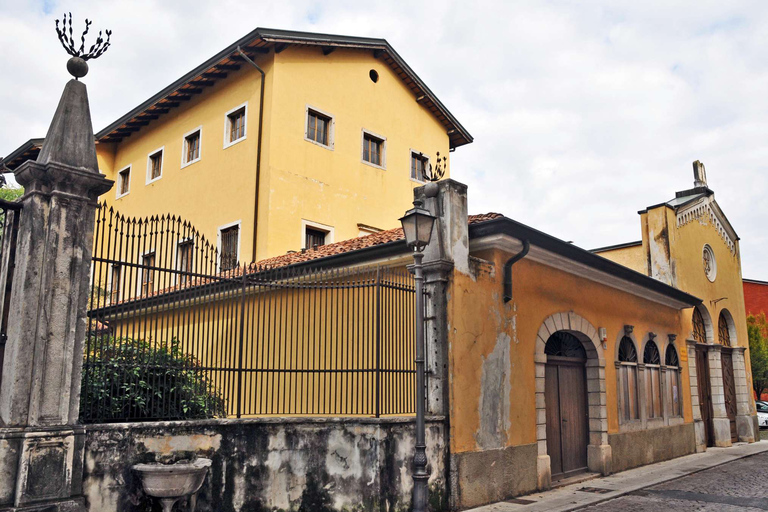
<point>10,214</point>
<point>170,336</point>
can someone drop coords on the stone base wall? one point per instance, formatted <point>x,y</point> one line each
<point>633,449</point>
<point>350,464</point>
<point>478,478</point>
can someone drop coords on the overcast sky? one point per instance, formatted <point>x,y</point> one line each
<point>582,112</point>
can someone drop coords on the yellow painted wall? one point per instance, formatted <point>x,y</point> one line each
<point>299,179</point>
<point>480,321</point>
<point>632,257</point>
<point>334,187</point>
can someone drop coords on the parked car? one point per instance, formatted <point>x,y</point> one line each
<point>762,414</point>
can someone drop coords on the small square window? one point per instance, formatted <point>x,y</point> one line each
<point>191,151</point>
<point>155,166</point>
<point>419,165</point>
<point>373,149</point>
<point>314,237</point>
<point>230,241</point>
<point>124,182</point>
<point>319,128</point>
<point>235,126</point>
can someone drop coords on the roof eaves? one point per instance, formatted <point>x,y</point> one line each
<point>549,243</point>
<point>20,151</point>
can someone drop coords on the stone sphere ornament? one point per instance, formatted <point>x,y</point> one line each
<point>77,67</point>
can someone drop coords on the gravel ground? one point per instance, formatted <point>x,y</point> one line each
<point>741,485</point>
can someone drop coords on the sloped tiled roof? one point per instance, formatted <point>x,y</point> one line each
<point>354,244</point>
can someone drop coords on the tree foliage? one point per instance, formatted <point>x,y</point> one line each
<point>757,329</point>
<point>126,378</point>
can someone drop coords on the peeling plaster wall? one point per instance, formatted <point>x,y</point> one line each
<point>268,464</point>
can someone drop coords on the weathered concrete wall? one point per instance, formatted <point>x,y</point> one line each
<point>270,464</point>
<point>633,449</point>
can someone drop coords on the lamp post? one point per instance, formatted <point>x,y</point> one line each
<point>417,226</point>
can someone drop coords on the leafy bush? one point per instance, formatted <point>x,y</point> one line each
<point>132,379</point>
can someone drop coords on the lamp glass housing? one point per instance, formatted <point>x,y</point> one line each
<point>417,227</point>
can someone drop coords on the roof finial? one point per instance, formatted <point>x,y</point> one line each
<point>699,174</point>
<point>437,172</point>
<point>77,65</point>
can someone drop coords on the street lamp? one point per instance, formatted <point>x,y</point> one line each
<point>417,226</point>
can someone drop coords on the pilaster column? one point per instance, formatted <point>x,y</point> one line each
<point>720,422</point>
<point>41,445</point>
<point>543,462</point>
<point>693,378</point>
<point>746,417</point>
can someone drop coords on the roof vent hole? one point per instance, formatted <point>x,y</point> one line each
<point>374,75</point>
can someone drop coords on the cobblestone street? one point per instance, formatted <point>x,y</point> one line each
<point>738,485</point>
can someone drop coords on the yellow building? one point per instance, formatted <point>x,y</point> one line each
<point>281,141</point>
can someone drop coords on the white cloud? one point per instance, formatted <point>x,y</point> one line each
<point>582,112</point>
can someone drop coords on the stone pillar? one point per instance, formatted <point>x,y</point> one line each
<point>720,422</point>
<point>746,417</point>
<point>41,444</point>
<point>543,462</point>
<point>599,452</point>
<point>700,430</point>
<point>447,250</point>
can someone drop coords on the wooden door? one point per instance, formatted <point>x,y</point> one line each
<point>567,416</point>
<point>729,390</point>
<point>705,392</point>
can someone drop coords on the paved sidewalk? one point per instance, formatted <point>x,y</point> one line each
<point>572,498</point>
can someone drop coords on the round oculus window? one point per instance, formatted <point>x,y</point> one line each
<point>710,265</point>
<point>374,75</point>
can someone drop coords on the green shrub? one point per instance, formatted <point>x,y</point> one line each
<point>132,379</point>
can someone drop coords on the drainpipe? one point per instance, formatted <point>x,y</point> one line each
<point>508,270</point>
<point>258,148</point>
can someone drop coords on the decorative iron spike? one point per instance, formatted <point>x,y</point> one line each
<point>78,65</point>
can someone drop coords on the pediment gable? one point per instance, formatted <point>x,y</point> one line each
<point>705,208</point>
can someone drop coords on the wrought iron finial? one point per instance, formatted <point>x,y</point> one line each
<point>437,172</point>
<point>78,65</point>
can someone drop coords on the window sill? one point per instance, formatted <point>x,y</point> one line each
<point>366,162</point>
<point>230,144</point>
<point>187,164</point>
<point>419,181</point>
<point>631,426</point>
<point>154,180</point>
<point>122,195</point>
<point>328,147</point>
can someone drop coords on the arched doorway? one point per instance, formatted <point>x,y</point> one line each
<point>702,334</point>
<point>566,405</point>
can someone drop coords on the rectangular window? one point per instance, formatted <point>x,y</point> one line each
<point>191,151</point>
<point>184,260</point>
<point>235,125</point>
<point>373,149</point>
<point>230,238</point>
<point>314,237</point>
<point>114,290</point>
<point>318,127</point>
<point>124,181</point>
<point>628,408</point>
<point>148,274</point>
<point>653,392</point>
<point>419,164</point>
<point>155,166</point>
<point>673,390</point>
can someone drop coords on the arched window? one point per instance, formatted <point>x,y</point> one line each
<point>627,373</point>
<point>565,344</point>
<point>699,328</point>
<point>672,364</point>
<point>723,333</point>
<point>653,398</point>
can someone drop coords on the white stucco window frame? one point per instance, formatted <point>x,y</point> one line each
<point>239,224</point>
<point>228,125</point>
<point>412,152</point>
<point>118,190</point>
<point>331,127</point>
<point>184,163</point>
<point>329,232</point>
<point>160,150</point>
<point>383,140</point>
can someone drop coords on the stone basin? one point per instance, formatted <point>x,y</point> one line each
<point>172,482</point>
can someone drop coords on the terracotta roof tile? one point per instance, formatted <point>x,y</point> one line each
<point>353,244</point>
